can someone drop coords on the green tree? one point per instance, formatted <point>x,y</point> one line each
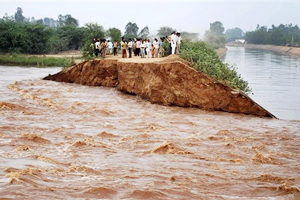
<point>72,36</point>
<point>259,36</point>
<point>61,20</point>
<point>277,35</point>
<point>6,17</point>
<point>71,21</point>
<point>280,35</point>
<point>67,20</point>
<point>131,31</point>
<point>40,21</point>
<point>217,28</point>
<point>215,36</point>
<point>37,36</point>
<point>19,15</point>
<point>13,37</point>
<point>5,35</point>
<point>114,34</point>
<point>165,31</point>
<point>91,31</point>
<point>33,37</point>
<point>144,33</point>
<point>56,44</point>
<point>234,34</point>
<point>50,22</point>
<point>295,36</point>
<point>23,38</point>
<point>32,20</point>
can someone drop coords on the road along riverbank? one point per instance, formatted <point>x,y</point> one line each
<point>293,51</point>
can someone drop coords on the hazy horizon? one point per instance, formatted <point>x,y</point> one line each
<point>190,16</point>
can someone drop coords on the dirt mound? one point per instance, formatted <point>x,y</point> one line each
<point>168,81</point>
<point>92,73</point>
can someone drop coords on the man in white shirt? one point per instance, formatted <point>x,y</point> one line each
<point>130,45</point>
<point>148,48</point>
<point>109,47</point>
<point>97,47</point>
<point>173,42</point>
<point>156,47</point>
<point>178,43</point>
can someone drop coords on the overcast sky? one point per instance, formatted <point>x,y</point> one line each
<point>190,16</point>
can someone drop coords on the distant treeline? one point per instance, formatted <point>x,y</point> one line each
<point>281,35</point>
<point>32,38</point>
<point>20,34</point>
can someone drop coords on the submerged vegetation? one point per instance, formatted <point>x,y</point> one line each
<point>204,58</point>
<point>37,61</point>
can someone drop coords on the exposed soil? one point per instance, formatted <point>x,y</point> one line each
<point>167,81</point>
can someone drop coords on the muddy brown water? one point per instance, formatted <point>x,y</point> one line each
<point>68,141</point>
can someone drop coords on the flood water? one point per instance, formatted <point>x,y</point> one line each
<point>273,77</point>
<point>68,141</point>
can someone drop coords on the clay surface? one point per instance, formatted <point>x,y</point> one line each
<point>168,81</point>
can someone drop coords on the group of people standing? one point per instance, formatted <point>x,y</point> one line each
<point>102,47</point>
<point>139,47</point>
<point>154,49</point>
<point>175,40</point>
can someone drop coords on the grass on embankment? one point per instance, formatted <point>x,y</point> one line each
<point>36,61</point>
<point>204,58</point>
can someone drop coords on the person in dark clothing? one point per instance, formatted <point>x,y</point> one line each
<point>115,45</point>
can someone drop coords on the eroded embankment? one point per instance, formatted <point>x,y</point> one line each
<point>169,82</point>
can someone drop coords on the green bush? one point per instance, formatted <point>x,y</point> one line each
<point>32,38</point>
<point>204,58</point>
<point>88,51</point>
<point>166,47</point>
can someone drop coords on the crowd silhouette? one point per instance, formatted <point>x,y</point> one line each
<point>145,48</point>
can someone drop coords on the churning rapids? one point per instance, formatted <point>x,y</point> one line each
<point>68,141</point>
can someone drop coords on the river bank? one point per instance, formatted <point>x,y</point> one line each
<point>61,59</point>
<point>36,60</point>
<point>293,51</point>
<point>221,51</point>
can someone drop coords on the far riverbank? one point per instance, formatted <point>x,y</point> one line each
<point>293,51</point>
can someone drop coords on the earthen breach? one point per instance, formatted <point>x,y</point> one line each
<point>170,81</point>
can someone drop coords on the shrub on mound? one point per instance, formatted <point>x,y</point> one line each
<point>204,58</point>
